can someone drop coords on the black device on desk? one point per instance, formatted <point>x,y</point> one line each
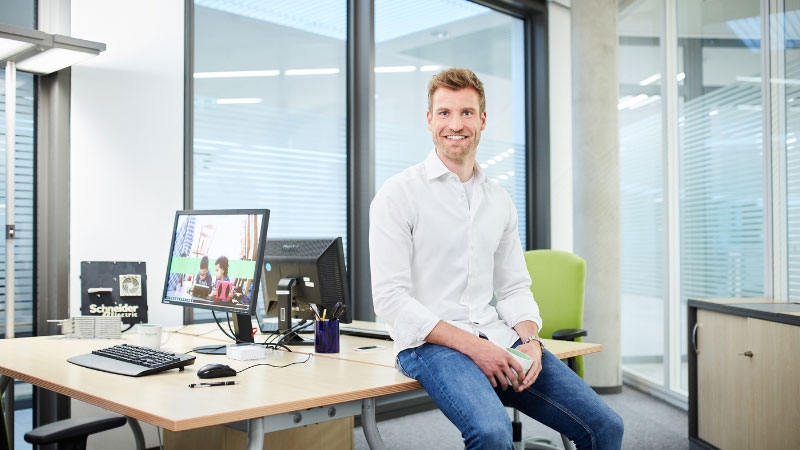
<point>132,360</point>
<point>227,245</point>
<point>216,371</point>
<point>299,273</point>
<point>372,333</point>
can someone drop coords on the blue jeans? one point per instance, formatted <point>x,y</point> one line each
<point>558,398</point>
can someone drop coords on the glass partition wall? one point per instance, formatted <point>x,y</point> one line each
<point>709,182</point>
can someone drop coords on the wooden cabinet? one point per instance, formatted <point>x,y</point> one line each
<point>744,378</point>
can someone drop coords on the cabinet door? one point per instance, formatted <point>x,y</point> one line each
<point>775,419</point>
<point>723,380</point>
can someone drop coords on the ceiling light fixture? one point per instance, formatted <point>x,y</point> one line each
<point>330,71</point>
<point>395,69</point>
<point>238,74</point>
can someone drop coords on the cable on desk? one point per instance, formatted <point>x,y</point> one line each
<point>308,357</point>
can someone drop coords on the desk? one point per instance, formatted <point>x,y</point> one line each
<point>266,397</point>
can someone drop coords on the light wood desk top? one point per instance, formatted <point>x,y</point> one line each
<point>165,400</point>
<point>314,380</point>
<point>383,356</point>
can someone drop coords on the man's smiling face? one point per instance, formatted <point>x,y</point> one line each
<point>456,122</point>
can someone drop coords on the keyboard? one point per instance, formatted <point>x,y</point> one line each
<point>132,360</point>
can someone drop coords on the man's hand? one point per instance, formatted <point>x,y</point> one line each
<point>534,350</point>
<point>495,362</point>
<point>498,365</point>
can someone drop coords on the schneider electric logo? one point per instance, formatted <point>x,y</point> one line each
<point>124,310</point>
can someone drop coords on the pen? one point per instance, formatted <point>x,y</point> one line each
<point>219,383</point>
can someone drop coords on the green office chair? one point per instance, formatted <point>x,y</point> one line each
<point>558,281</point>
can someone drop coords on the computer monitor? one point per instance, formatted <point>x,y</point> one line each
<point>215,263</point>
<point>299,273</point>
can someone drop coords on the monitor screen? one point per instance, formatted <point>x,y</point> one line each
<point>215,261</point>
<point>299,273</point>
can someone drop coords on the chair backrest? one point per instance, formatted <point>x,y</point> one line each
<point>558,282</point>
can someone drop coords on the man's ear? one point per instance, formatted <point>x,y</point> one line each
<point>483,121</point>
<point>429,118</point>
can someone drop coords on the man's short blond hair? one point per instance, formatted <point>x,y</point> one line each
<point>456,78</point>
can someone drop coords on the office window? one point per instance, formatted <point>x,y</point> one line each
<point>269,112</point>
<point>416,39</point>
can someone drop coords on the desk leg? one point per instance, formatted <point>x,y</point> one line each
<point>255,434</point>
<point>369,425</point>
<point>138,436</point>
<point>7,389</point>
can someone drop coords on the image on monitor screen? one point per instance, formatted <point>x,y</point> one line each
<point>299,273</point>
<point>215,263</point>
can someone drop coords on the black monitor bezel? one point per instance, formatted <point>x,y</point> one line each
<point>243,316</point>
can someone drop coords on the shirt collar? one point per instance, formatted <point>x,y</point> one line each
<point>435,168</point>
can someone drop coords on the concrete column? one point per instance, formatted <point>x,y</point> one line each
<point>596,182</point>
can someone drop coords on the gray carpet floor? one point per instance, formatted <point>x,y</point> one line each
<point>650,424</point>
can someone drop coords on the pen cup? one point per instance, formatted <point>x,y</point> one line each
<point>326,336</point>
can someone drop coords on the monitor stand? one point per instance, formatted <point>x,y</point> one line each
<point>293,338</point>
<point>284,291</point>
<point>243,331</point>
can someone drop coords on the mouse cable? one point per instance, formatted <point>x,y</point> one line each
<point>308,357</point>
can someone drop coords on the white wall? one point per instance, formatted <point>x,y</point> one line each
<point>560,70</point>
<point>127,140</point>
<point>126,174</point>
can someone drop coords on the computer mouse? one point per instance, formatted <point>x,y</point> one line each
<point>215,371</point>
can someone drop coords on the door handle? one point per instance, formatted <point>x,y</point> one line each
<point>694,337</point>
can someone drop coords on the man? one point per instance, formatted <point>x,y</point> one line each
<point>443,242</point>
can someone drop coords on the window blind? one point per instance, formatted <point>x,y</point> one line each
<point>722,193</point>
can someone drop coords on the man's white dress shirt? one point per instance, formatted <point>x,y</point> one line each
<point>436,255</point>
